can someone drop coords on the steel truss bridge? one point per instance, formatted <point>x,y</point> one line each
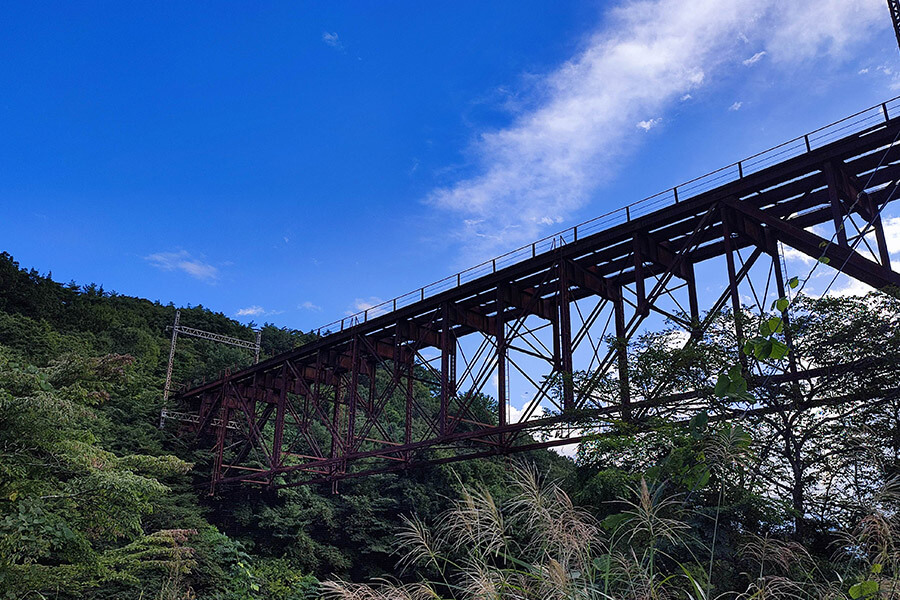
<point>351,402</point>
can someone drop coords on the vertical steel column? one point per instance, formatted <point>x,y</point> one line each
<point>224,414</point>
<point>874,219</point>
<point>639,287</point>
<point>256,350</point>
<point>401,365</point>
<point>563,335</point>
<point>336,443</point>
<point>171,358</point>
<point>278,438</point>
<point>837,211</point>
<point>622,354</point>
<point>370,402</point>
<point>500,333</point>
<point>448,367</point>
<point>782,293</point>
<point>353,392</point>
<point>408,415</point>
<point>692,298</point>
<point>733,288</point>
<point>336,415</point>
<point>395,375</point>
<point>207,405</point>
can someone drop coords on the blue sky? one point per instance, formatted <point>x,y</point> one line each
<point>292,162</point>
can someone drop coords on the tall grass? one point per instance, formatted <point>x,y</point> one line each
<point>538,545</point>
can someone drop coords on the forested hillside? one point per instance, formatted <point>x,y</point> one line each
<point>800,500</point>
<point>97,502</point>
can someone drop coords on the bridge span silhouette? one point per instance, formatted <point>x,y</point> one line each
<point>434,376</point>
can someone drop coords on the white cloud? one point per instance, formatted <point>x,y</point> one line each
<point>736,106</point>
<point>332,39</point>
<point>863,71</point>
<point>792,255</point>
<point>183,261</point>
<point>309,306</point>
<point>755,58</point>
<point>805,28</point>
<point>846,286</point>
<point>363,304</point>
<point>686,97</point>
<point>567,450</point>
<point>515,415</point>
<point>648,55</point>
<point>648,124</point>
<point>892,233</point>
<point>256,311</point>
<point>891,227</point>
<point>366,303</point>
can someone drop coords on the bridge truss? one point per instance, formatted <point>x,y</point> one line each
<point>427,378</point>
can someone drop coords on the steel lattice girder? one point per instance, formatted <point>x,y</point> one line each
<point>317,413</point>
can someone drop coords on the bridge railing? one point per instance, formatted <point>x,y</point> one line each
<point>855,123</point>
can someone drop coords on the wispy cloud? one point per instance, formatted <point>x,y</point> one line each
<point>366,303</point>
<point>332,39</point>
<point>736,106</point>
<point>802,29</point>
<point>183,261</point>
<point>309,306</point>
<point>581,118</point>
<point>648,124</point>
<point>795,255</point>
<point>755,58</point>
<point>892,232</point>
<point>256,311</point>
<point>361,304</point>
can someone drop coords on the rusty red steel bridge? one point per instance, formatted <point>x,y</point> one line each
<point>427,377</point>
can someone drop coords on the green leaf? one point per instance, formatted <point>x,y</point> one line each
<point>602,563</point>
<point>779,350</point>
<point>763,350</point>
<point>824,260</point>
<point>722,385</point>
<point>864,589</point>
<point>698,422</point>
<point>794,282</point>
<point>698,477</point>
<point>613,522</point>
<point>764,329</point>
<point>742,436</point>
<point>781,304</point>
<point>776,325</point>
<point>876,568</point>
